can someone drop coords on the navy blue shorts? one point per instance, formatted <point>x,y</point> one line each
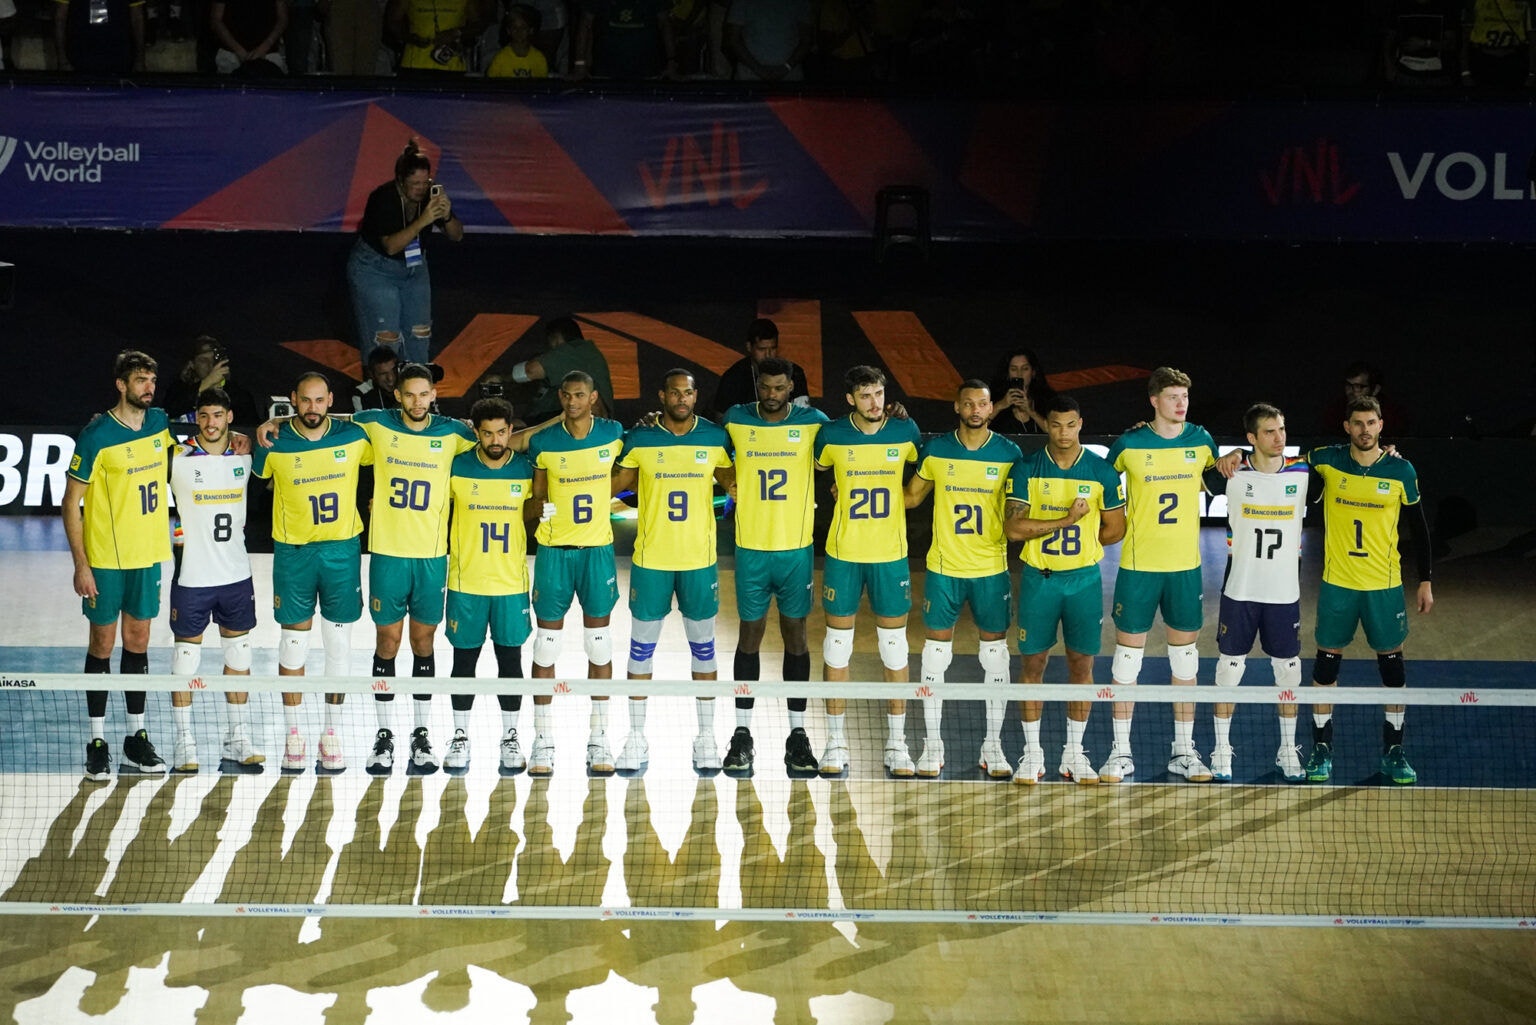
<point>231,606</point>
<point>1278,628</point>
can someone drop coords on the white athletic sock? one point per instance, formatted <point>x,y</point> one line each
<point>1075,732</point>
<point>597,719</point>
<point>381,710</point>
<point>996,709</point>
<point>237,716</point>
<point>1223,731</point>
<point>1287,731</point>
<point>1123,734</point>
<point>744,718</point>
<point>637,715</point>
<point>1320,719</point>
<point>135,723</point>
<point>1032,734</point>
<point>933,718</point>
<point>291,716</point>
<point>796,720</point>
<point>423,711</point>
<point>332,715</point>
<point>461,720</point>
<point>896,726</point>
<point>182,716</point>
<point>1183,736</point>
<point>835,728</point>
<point>706,713</point>
<point>1395,720</point>
<point>98,728</point>
<point>508,720</point>
<point>541,720</point>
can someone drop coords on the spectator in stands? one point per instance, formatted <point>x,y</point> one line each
<point>739,383</point>
<point>249,32</point>
<point>846,44</point>
<point>566,350</point>
<point>769,39</point>
<point>99,37</point>
<point>551,38</point>
<point>209,367</point>
<point>354,32</point>
<point>625,39</point>
<point>435,34</point>
<point>387,271</point>
<point>698,26</point>
<point>1021,396</point>
<point>1498,49</point>
<point>1364,380</point>
<point>378,388</point>
<point>519,58</point>
<point>1419,43</point>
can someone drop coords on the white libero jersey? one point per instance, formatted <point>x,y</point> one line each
<point>210,499</point>
<point>1264,513</point>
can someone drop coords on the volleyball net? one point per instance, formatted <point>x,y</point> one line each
<point>677,837</point>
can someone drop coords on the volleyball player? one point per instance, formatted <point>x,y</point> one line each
<point>413,453</point>
<point>772,441</point>
<point>491,489</point>
<point>572,483</point>
<point>213,575</point>
<point>1066,505</point>
<point>1163,463</point>
<point>118,541</point>
<point>314,462</point>
<point>867,453</point>
<point>969,473</point>
<point>673,465</point>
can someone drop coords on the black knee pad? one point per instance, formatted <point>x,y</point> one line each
<point>1326,670</point>
<point>1390,666</point>
<point>465,661</point>
<point>748,665</point>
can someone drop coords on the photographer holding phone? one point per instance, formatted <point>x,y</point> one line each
<point>209,367</point>
<point>387,271</point>
<point>1023,396</point>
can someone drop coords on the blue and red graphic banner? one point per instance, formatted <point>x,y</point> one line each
<point>777,166</point>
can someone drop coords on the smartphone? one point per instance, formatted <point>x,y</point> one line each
<point>437,190</point>
<point>1016,382</point>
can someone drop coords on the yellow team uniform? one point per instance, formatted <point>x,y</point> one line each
<point>127,522</point>
<point>869,523</point>
<point>489,550</point>
<point>676,485</point>
<point>409,516</point>
<point>775,506</point>
<point>314,493</point>
<point>1163,485</point>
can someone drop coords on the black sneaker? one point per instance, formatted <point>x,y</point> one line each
<point>140,754</point>
<point>382,761</point>
<point>422,762</point>
<point>797,753</point>
<point>738,760</point>
<point>98,761</point>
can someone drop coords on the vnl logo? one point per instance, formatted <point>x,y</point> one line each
<point>7,150</point>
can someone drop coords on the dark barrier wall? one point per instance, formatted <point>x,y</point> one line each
<point>773,166</point>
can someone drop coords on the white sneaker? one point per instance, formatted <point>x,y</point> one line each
<point>599,756</point>
<point>456,761</point>
<point>898,760</point>
<point>237,748</point>
<point>1288,761</point>
<point>512,760</point>
<point>706,753</point>
<point>331,759</point>
<point>993,760</point>
<point>931,762</point>
<point>636,752</point>
<point>382,761</point>
<point>1221,762</point>
<point>1076,766</point>
<point>1117,766</point>
<point>542,761</point>
<point>422,763</point>
<point>1188,765</point>
<point>295,752</point>
<point>834,760</point>
<point>186,753</point>
<point>1031,766</point>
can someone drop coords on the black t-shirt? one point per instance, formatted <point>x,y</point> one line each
<point>105,48</point>
<point>739,384</point>
<point>385,215</point>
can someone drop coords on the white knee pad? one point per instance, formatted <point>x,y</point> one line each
<point>837,648</point>
<point>993,656</point>
<point>546,647</point>
<point>1184,661</point>
<point>701,643</point>
<point>1126,668</point>
<point>237,653</point>
<point>894,652</point>
<point>937,655</point>
<point>292,649</point>
<point>597,641</point>
<point>1229,669</point>
<point>186,657</point>
<point>336,638</point>
<point>1287,671</point>
<point>643,635</point>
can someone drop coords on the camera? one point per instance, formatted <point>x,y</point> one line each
<point>493,390</point>
<point>280,408</point>
<point>444,54</point>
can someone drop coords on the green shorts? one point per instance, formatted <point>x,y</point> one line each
<point>651,591</point>
<point>506,615</point>
<point>1383,613</point>
<point>1073,598</point>
<point>134,593</point>
<point>989,597</point>
<point>585,574</point>
<point>785,577</point>
<point>844,583</point>
<point>397,586</point>
<point>1139,595</point>
<point>328,570</point>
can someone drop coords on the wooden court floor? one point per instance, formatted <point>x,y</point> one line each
<point>672,841</point>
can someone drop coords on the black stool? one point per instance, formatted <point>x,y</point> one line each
<point>913,230</point>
